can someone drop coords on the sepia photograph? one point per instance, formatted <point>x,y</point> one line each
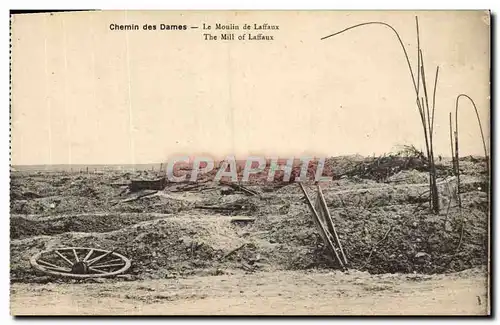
<point>250,162</point>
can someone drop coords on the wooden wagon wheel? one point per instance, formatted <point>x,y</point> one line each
<point>80,262</point>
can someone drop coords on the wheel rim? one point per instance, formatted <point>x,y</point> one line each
<point>80,262</point>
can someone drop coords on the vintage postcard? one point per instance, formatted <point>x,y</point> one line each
<point>250,163</point>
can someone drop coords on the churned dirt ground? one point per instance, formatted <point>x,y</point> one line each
<point>277,293</point>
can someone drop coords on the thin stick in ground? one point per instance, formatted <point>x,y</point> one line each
<point>375,246</point>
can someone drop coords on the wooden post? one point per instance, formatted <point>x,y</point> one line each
<point>322,231</point>
<point>329,222</point>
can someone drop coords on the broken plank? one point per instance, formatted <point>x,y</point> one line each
<point>242,219</point>
<point>138,197</point>
<point>240,188</point>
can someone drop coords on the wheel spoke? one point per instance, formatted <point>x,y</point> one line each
<point>64,258</point>
<point>115,260</point>
<point>108,265</point>
<point>45,263</point>
<point>88,255</point>
<point>76,256</point>
<point>97,270</point>
<point>57,269</point>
